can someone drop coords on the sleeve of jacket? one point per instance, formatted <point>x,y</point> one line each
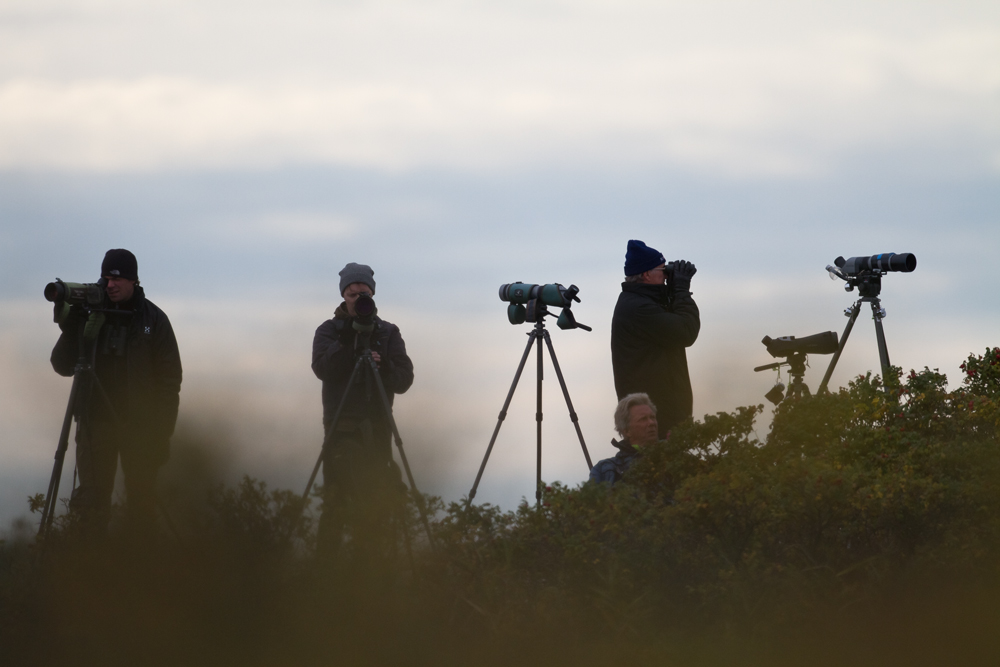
<point>167,374</point>
<point>330,356</point>
<point>396,368</point>
<point>67,348</point>
<point>677,325</point>
<point>65,353</point>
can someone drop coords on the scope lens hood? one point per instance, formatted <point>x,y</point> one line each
<point>55,291</point>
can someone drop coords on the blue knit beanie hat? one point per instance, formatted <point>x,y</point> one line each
<point>640,258</point>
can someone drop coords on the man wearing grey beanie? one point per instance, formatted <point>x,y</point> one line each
<point>359,475</point>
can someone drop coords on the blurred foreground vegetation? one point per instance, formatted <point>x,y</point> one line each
<point>863,529</point>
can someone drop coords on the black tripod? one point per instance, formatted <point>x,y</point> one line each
<point>366,363</point>
<point>537,334</point>
<point>869,287</point>
<point>83,372</point>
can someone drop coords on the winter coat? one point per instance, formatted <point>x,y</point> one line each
<point>336,347</point>
<point>613,469</point>
<point>142,379</point>
<point>649,334</point>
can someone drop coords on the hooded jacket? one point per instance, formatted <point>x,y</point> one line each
<point>142,377</point>
<point>650,330</point>
<point>336,347</point>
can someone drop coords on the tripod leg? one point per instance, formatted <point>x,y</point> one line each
<point>405,525</point>
<point>797,388</point>
<point>855,309</point>
<point>538,425</point>
<point>883,349</point>
<point>48,513</point>
<point>168,520</point>
<point>326,438</point>
<point>399,446</point>
<point>569,403</point>
<point>503,415</point>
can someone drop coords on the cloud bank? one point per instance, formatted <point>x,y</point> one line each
<point>472,86</point>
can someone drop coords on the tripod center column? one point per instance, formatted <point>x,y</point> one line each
<point>538,420</point>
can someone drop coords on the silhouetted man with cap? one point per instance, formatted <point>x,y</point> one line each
<point>361,483</point>
<point>655,321</point>
<point>138,367</point>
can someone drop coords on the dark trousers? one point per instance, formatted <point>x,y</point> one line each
<point>98,448</point>
<point>362,488</point>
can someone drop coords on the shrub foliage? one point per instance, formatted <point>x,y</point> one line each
<point>849,496</point>
<point>878,502</point>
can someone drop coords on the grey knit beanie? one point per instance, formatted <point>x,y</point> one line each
<point>356,273</point>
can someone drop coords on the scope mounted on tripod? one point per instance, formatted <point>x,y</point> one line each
<point>795,350</point>
<point>63,296</point>
<point>865,273</point>
<point>364,314</point>
<point>530,302</point>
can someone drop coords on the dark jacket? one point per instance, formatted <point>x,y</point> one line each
<point>649,332</point>
<point>335,350</point>
<point>613,469</point>
<point>143,379</point>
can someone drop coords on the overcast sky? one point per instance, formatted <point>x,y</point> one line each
<point>245,151</point>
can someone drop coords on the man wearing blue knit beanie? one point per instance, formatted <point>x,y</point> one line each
<point>655,321</point>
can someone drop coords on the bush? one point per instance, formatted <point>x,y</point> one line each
<point>850,497</point>
<point>863,528</point>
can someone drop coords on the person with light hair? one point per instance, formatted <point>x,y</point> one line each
<point>635,421</point>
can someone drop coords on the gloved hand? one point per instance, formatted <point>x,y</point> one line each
<point>69,319</point>
<point>683,272</point>
<point>347,337</point>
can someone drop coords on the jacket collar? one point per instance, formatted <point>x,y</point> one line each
<point>658,292</point>
<point>624,446</point>
<point>134,304</point>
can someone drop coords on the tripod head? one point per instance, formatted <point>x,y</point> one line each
<point>536,312</point>
<point>796,363</point>
<point>795,351</point>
